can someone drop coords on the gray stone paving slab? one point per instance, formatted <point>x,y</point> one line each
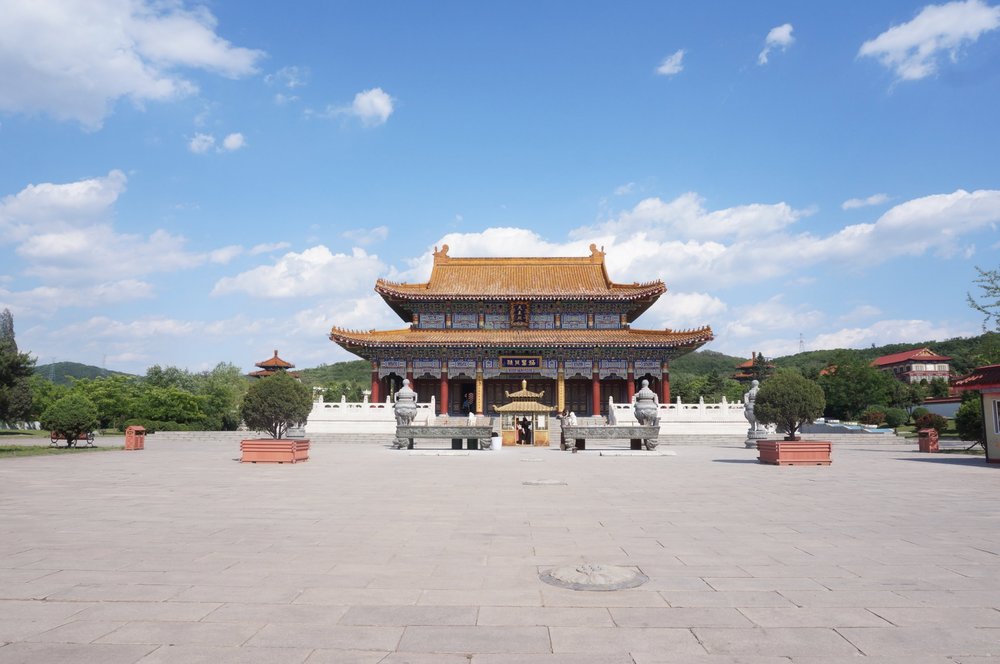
<point>775,642</point>
<point>179,544</point>
<point>925,640</point>
<point>679,617</point>
<point>544,616</point>
<point>71,653</point>
<point>486,639</point>
<point>624,640</point>
<point>222,655</point>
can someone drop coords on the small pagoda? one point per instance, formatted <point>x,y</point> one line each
<point>524,420</point>
<point>273,365</point>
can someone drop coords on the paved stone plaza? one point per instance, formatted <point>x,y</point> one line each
<point>363,554</point>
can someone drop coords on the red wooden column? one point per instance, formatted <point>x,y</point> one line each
<point>630,380</point>
<point>665,387</point>
<point>595,385</point>
<point>444,393</point>
<point>375,398</point>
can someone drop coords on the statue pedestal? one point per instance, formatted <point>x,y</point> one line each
<point>754,436</point>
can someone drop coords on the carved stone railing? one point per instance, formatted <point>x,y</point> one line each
<point>637,435</point>
<point>475,437</point>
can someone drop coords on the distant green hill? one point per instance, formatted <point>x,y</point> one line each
<point>356,371</point>
<point>61,372</point>
<point>705,362</point>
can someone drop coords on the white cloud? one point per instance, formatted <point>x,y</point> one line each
<point>224,255</point>
<point>772,314</point>
<point>672,64</point>
<point>779,37</point>
<point>373,107</point>
<point>911,50</point>
<point>861,312</point>
<point>74,60</point>
<point>315,271</point>
<point>45,300</point>
<point>201,143</point>
<point>289,77</point>
<point>874,199</point>
<point>367,236</point>
<point>48,207</point>
<point>684,310</point>
<point>234,142</point>
<point>268,247</point>
<point>890,331</point>
<point>625,189</point>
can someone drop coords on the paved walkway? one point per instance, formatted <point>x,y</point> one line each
<point>180,554</point>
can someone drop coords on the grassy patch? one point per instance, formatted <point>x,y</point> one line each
<point>40,450</point>
<point>15,434</point>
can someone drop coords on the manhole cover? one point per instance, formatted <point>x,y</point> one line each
<point>545,483</point>
<point>594,576</point>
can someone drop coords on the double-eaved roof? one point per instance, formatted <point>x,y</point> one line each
<point>509,279</point>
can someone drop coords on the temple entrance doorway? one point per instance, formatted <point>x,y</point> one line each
<point>461,396</point>
<point>427,389</point>
<point>578,391</point>
<point>614,388</point>
<point>389,385</point>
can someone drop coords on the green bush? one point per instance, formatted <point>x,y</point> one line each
<point>932,421</point>
<point>788,400</point>
<point>917,413</point>
<point>274,403</point>
<point>152,426</point>
<point>873,415</point>
<point>69,417</point>
<point>969,420</point>
<point>895,417</point>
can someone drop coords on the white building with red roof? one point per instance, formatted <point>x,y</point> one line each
<point>913,366</point>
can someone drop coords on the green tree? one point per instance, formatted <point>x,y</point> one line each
<point>274,403</point>
<point>760,369</point>
<point>115,397</point>
<point>69,417</point>
<point>969,418</point>
<point>938,387</point>
<point>222,390</point>
<point>989,304</point>
<point>44,393</point>
<point>852,386</point>
<point>788,400</point>
<point>158,376</point>
<point>170,404</point>
<point>15,371</point>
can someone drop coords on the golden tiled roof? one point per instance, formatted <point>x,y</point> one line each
<point>519,278</point>
<point>481,338</point>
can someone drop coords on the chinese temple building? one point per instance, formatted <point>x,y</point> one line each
<point>480,326</point>
<point>913,366</point>
<point>273,365</point>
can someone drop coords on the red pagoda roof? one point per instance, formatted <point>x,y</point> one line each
<point>275,363</point>
<point>548,278</point>
<point>480,338</point>
<point>925,354</point>
<point>981,378</point>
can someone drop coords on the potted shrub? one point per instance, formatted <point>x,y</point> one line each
<point>789,400</point>
<point>273,404</point>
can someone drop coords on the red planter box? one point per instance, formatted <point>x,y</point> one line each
<point>269,450</point>
<point>794,453</point>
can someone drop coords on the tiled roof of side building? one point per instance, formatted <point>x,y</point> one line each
<point>519,278</point>
<point>925,354</point>
<point>517,338</point>
<point>987,377</point>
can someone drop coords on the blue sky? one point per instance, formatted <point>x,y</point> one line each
<point>187,183</point>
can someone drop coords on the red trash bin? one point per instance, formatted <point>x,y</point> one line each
<point>928,440</point>
<point>135,438</point>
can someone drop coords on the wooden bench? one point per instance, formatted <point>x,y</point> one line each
<point>575,437</point>
<point>475,437</point>
<point>56,436</point>
<point>275,450</point>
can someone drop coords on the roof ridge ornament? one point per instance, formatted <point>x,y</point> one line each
<point>595,254</point>
<point>441,255</point>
